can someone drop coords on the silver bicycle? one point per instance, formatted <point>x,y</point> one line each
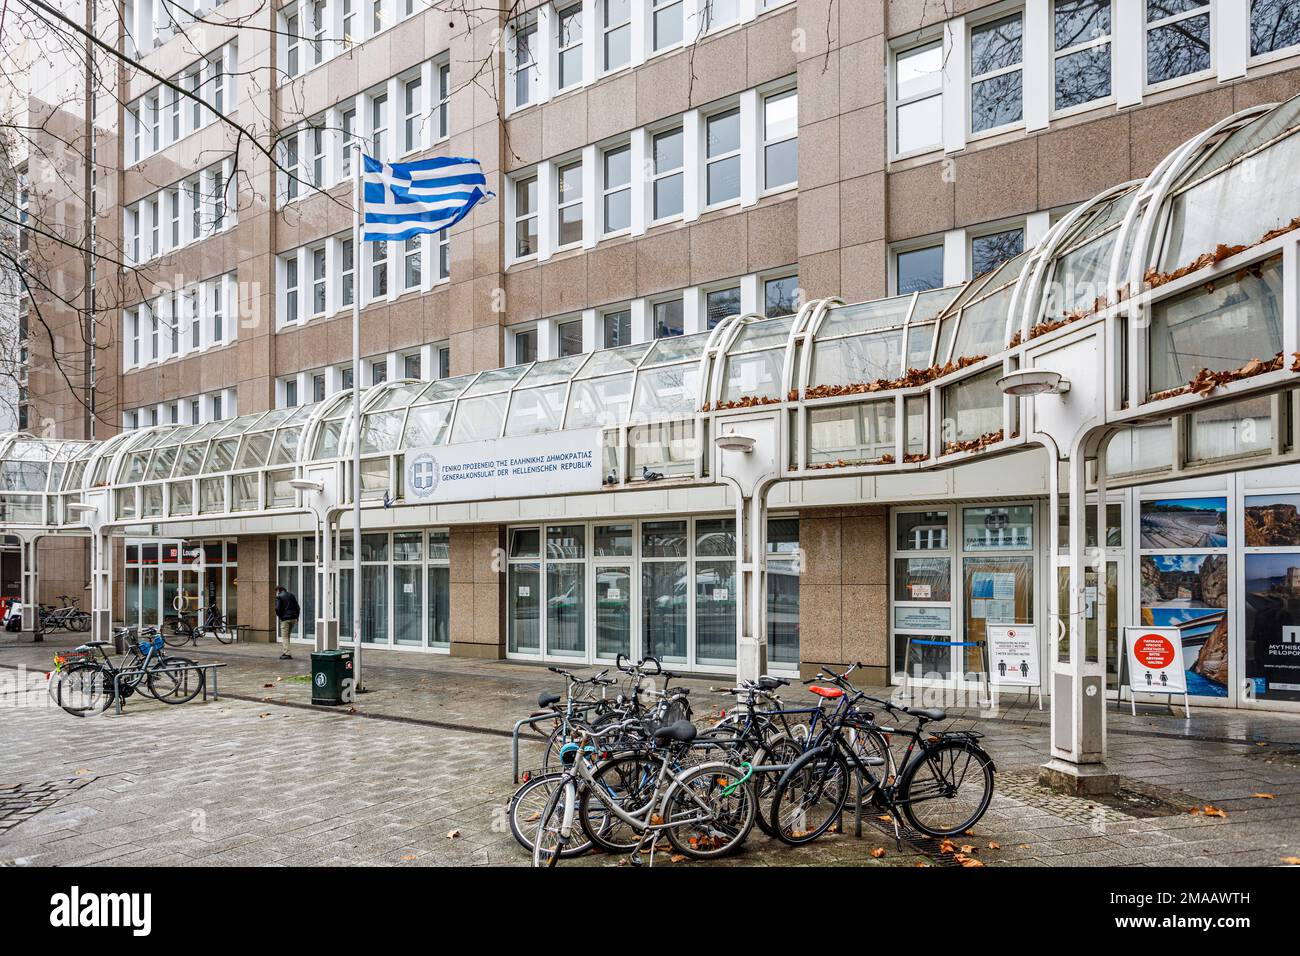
<point>623,802</point>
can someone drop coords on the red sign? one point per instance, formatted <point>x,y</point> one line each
<point>1154,651</point>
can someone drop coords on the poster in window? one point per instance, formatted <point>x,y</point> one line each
<point>1190,592</point>
<point>1272,521</point>
<point>998,528</point>
<point>1273,626</point>
<point>1176,523</point>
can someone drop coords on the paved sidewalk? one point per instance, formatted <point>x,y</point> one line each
<point>261,776</point>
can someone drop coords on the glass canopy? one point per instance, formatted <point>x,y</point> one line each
<point>894,382</point>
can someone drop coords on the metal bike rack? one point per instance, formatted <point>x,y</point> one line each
<point>141,671</point>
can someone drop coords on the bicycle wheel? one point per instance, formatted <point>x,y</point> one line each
<point>630,782</point>
<point>715,805</point>
<point>549,841</point>
<point>79,622</point>
<point>872,749</point>
<point>946,788</point>
<point>810,797</point>
<point>222,633</point>
<point>174,686</point>
<point>525,812</point>
<point>82,689</point>
<point>175,633</point>
<point>779,751</point>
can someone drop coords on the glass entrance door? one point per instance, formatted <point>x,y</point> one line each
<point>613,601</point>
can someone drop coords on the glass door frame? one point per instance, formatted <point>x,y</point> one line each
<point>1117,560</point>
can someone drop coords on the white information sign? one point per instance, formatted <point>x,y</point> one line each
<point>1013,654</point>
<point>1155,660</point>
<point>548,464</point>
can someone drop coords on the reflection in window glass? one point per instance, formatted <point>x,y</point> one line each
<point>1274,25</point>
<point>973,408</point>
<point>919,269</point>
<point>996,54</point>
<point>922,531</point>
<point>668,318</point>
<point>722,151</point>
<point>998,528</point>
<point>1081,32</point>
<point>1178,38</point>
<point>989,252</point>
<point>781,296</point>
<point>918,98</point>
<point>720,304</point>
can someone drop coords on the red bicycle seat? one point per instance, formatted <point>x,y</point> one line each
<point>829,692</point>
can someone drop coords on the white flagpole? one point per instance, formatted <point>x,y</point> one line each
<point>357,685</point>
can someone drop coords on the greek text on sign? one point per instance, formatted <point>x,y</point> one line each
<point>1155,660</point>
<point>1013,654</point>
<point>547,464</point>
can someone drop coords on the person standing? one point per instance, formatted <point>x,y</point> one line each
<point>287,612</point>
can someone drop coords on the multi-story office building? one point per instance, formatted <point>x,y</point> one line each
<point>658,166</point>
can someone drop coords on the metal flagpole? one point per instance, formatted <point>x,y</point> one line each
<point>357,685</point>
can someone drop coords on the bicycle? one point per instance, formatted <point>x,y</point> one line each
<point>184,628</point>
<point>89,686</point>
<point>706,810</point>
<point>930,789</point>
<point>68,616</point>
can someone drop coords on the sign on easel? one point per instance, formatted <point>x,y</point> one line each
<point>1154,659</point>
<point>1013,656</point>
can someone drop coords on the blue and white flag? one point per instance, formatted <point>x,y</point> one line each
<point>401,200</point>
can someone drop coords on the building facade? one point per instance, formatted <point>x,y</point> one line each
<point>659,166</point>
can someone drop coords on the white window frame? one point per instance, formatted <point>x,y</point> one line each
<point>560,204</point>
<point>896,102</point>
<point>516,218</point>
<point>656,175</point>
<point>1210,10</point>
<point>606,28</point>
<point>664,6</point>
<point>528,27</point>
<point>415,126</point>
<point>577,11</point>
<point>607,191</point>
<point>706,161</point>
<point>1107,40</point>
<point>972,79</point>
<point>442,76</point>
<point>764,143</point>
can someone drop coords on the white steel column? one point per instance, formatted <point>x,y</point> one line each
<point>30,593</point>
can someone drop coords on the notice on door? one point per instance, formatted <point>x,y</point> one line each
<point>1013,654</point>
<point>1154,656</point>
<point>555,463</point>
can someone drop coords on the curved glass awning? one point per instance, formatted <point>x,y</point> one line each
<point>902,382</point>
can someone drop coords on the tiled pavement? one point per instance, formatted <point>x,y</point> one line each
<point>261,777</point>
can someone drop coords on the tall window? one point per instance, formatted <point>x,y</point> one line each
<point>617,30</point>
<point>378,270</point>
<point>525,62</point>
<point>722,152</point>
<point>217,316</point>
<point>1178,39</point>
<point>918,99</point>
<point>617,188</point>
<point>720,13</point>
<point>411,257</point>
<point>1274,25</point>
<point>918,269</point>
<point>569,204</point>
<point>719,304</point>
<point>318,281</point>
<point>668,174</point>
<point>444,362</point>
<point>569,22</point>
<point>780,139</point>
<point>617,328</point>
<point>668,318</point>
<point>989,252</point>
<point>318,387</point>
<point>444,100</point>
<point>525,346</point>
<point>377,16</point>
<point>443,243</point>
<point>378,124</point>
<point>411,365</point>
<point>1081,35</point>
<point>412,127</point>
<point>318,16</point>
<point>291,45</point>
<point>667,23</point>
<point>349,22</point>
<point>996,80</point>
<point>347,274</point>
<point>570,335</point>
<point>526,217</point>
<point>349,123</point>
<point>291,289</point>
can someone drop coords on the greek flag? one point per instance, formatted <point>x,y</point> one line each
<point>401,200</point>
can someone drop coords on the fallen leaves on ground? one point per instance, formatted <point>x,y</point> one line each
<point>453,834</point>
<point>1291,860</point>
<point>877,853</point>
<point>409,856</point>
<point>994,846</point>
<point>264,714</point>
<point>677,858</point>
<point>1264,796</point>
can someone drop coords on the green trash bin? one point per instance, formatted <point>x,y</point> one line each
<point>331,672</point>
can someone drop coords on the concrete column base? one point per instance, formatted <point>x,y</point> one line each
<point>1078,779</point>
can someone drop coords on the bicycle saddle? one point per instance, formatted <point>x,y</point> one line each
<point>828,692</point>
<point>96,643</point>
<point>682,731</point>
<point>546,698</point>
<point>928,713</point>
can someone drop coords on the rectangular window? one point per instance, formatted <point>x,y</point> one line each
<point>667,23</point>
<point>378,372</point>
<point>318,20</point>
<point>377,16</point>
<point>617,328</point>
<point>1178,39</point>
<point>444,100</point>
<point>780,139</point>
<point>378,125</point>
<point>413,125</point>
<point>1274,25</point>
<point>1081,38</point>
<point>781,296</point>
<point>996,55</point>
<point>569,44</point>
<point>444,362</point>
<point>316,141</point>
<point>318,281</point>
<point>989,252</point>
<point>618,189</point>
<point>569,204</point>
<point>668,319</point>
<point>669,174</point>
<point>917,270</point>
<point>617,29</point>
<point>722,153</point>
<point>411,258</point>
<point>291,289</point>
<point>720,304</point>
<point>525,63</point>
<point>290,392</point>
<point>349,121</point>
<point>347,272</point>
<point>570,338</point>
<point>292,174</point>
<point>217,317</point>
<point>378,270</point>
<point>526,217</point>
<point>918,99</point>
<point>443,244</point>
<point>291,45</point>
<point>720,13</point>
<point>349,22</point>
<point>411,365</point>
<point>318,388</point>
<point>525,346</point>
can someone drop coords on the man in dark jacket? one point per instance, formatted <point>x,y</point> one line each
<point>287,611</point>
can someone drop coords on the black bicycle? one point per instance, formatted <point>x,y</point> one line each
<point>185,628</point>
<point>67,616</point>
<point>942,785</point>
<point>85,685</point>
